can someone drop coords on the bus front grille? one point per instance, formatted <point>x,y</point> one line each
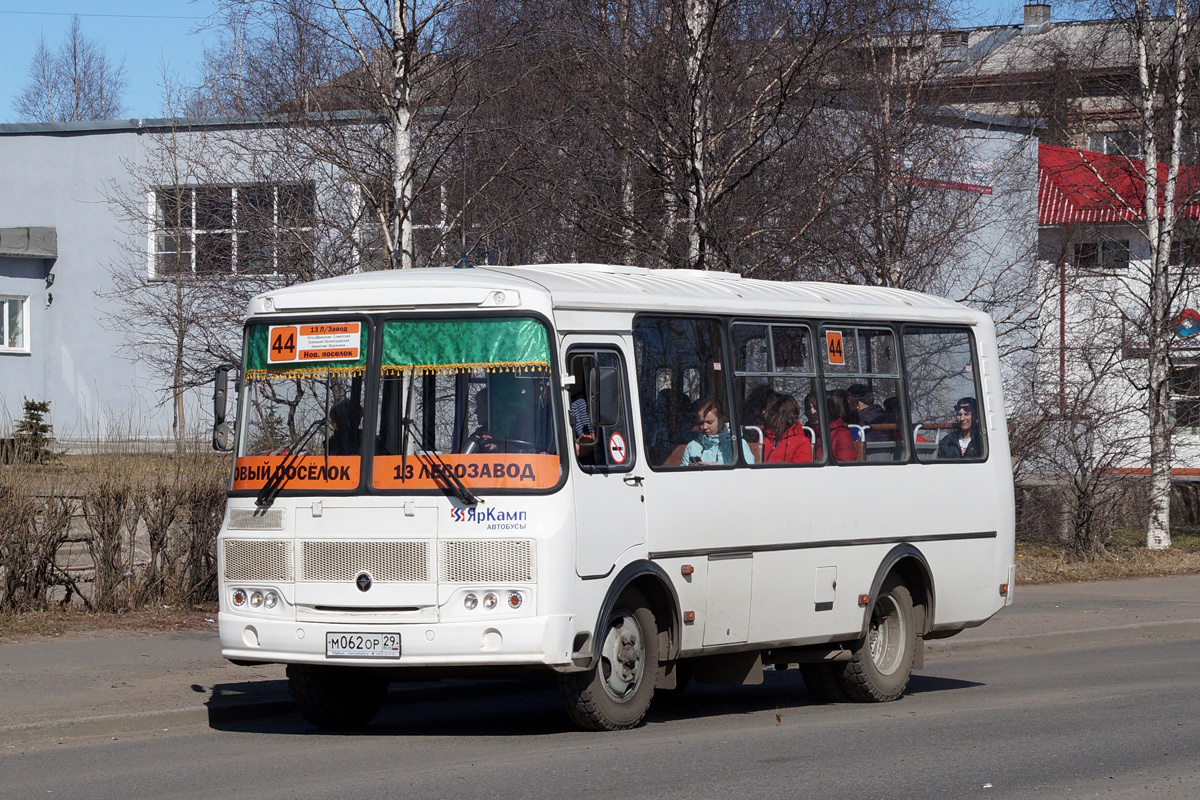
<point>404,561</point>
<point>257,560</point>
<point>485,561</point>
<point>386,561</point>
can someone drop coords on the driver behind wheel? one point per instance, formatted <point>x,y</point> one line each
<point>481,439</point>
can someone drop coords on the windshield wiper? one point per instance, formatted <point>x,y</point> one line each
<point>279,478</point>
<point>443,473</point>
<point>446,472</point>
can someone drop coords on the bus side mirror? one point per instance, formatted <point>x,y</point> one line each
<point>220,403</point>
<point>606,397</point>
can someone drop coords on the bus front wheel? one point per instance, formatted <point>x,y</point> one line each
<point>615,694</point>
<point>882,662</point>
<point>336,697</point>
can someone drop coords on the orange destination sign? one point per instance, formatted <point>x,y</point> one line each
<point>314,473</point>
<point>325,341</point>
<point>477,471</point>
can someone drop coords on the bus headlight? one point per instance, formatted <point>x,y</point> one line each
<point>470,601</point>
<point>270,600</point>
<point>490,600</point>
<point>256,599</point>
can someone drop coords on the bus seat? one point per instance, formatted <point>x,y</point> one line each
<point>675,459</point>
<point>812,440</point>
<point>858,450</point>
<point>884,451</point>
<point>752,437</point>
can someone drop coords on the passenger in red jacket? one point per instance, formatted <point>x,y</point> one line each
<point>784,439</point>
<point>838,404</point>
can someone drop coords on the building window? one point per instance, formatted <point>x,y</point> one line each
<point>1107,256</point>
<point>430,230</point>
<point>260,229</point>
<point>14,324</point>
<point>1184,252</point>
<point>1115,143</point>
<point>1185,395</point>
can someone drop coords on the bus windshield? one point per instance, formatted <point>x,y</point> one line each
<point>460,404</point>
<point>302,405</point>
<point>471,397</point>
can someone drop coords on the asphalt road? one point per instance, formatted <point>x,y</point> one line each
<point>1113,719</point>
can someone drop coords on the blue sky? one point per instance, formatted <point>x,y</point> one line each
<point>143,34</point>
<point>146,34</point>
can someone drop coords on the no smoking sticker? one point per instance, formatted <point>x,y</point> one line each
<point>616,448</point>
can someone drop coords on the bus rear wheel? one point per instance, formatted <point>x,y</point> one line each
<point>824,682</point>
<point>882,662</point>
<point>336,697</point>
<point>616,693</point>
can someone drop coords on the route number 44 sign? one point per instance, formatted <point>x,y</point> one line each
<point>325,341</point>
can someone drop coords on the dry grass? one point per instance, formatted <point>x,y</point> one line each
<point>1126,557</point>
<point>76,623</point>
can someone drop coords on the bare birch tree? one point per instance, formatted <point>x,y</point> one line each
<point>1158,38</point>
<point>1163,53</point>
<point>154,300</point>
<point>400,69</point>
<point>74,82</point>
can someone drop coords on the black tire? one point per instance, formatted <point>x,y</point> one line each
<point>824,682</point>
<point>336,697</point>
<point>616,693</point>
<point>882,662</point>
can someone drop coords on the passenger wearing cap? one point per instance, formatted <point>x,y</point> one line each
<point>966,440</point>
<point>869,414</point>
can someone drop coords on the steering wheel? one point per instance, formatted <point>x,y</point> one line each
<point>475,445</point>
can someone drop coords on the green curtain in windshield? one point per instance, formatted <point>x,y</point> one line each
<point>457,345</point>
<point>258,366</point>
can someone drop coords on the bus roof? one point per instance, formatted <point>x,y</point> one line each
<point>600,287</point>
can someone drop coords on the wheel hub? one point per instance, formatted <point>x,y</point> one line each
<point>622,659</point>
<point>887,635</point>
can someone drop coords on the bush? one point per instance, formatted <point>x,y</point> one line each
<point>33,434</point>
<point>112,531</point>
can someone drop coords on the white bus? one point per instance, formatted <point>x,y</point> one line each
<point>622,478</point>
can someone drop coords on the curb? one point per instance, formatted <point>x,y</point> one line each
<point>1139,630</point>
<point>142,721</point>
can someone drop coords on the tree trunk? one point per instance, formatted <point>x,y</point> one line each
<point>1159,63</point>
<point>402,166</point>
<point>627,193</point>
<point>696,16</point>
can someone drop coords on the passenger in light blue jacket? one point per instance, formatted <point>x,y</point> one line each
<point>712,444</point>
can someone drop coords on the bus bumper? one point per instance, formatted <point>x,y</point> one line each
<point>531,640</point>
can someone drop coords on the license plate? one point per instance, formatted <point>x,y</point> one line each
<point>362,645</point>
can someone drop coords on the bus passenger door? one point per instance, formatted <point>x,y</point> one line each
<point>610,514</point>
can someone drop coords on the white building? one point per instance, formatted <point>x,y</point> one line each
<point>82,202</point>
<point>1094,259</point>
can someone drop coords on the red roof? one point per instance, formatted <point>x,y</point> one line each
<point>1080,186</point>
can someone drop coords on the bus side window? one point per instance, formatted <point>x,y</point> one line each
<point>943,395</point>
<point>600,445</point>
<point>680,363</point>
<point>776,379</point>
<point>862,380</point>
